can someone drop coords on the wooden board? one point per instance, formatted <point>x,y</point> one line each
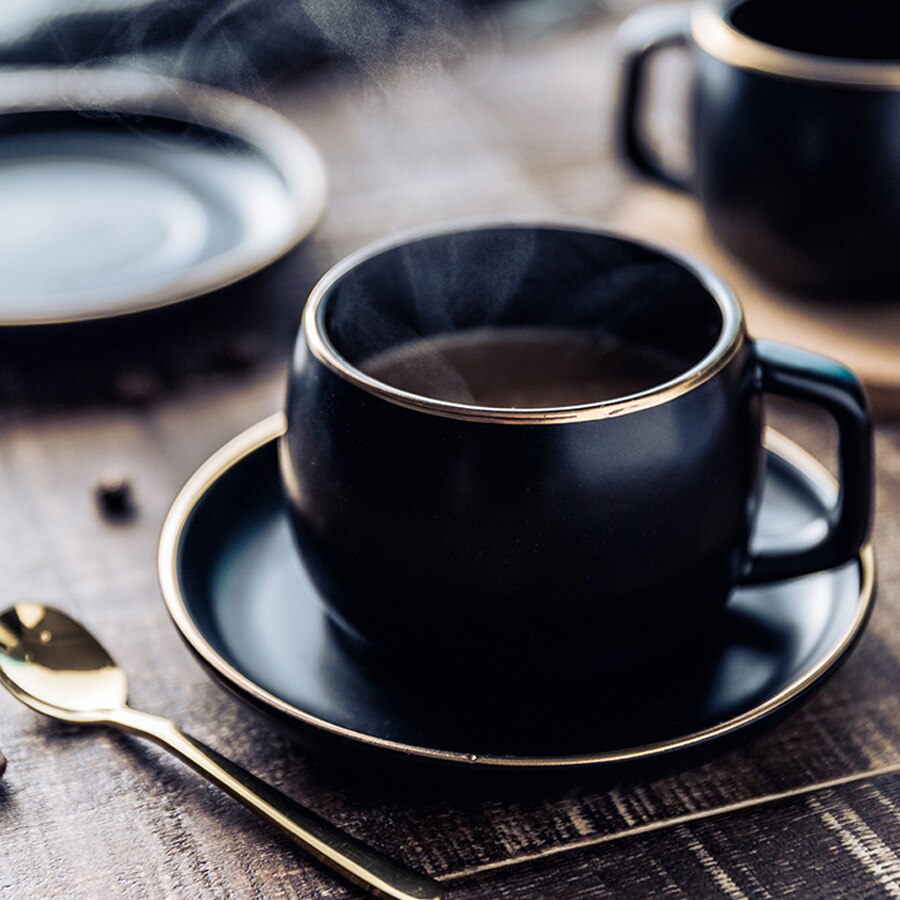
<point>91,815</point>
<point>862,335</point>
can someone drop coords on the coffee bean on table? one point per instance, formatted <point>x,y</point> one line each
<point>115,497</point>
<point>137,388</point>
<point>241,354</point>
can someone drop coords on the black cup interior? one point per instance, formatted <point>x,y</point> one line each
<point>845,29</point>
<point>521,277</point>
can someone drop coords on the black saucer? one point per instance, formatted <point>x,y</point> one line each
<point>240,597</point>
<point>127,192</point>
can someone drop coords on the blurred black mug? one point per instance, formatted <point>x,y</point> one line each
<point>795,133</point>
<point>536,541</point>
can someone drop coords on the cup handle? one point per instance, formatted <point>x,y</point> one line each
<point>639,37</point>
<point>796,373</point>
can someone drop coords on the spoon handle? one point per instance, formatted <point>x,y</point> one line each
<point>353,859</point>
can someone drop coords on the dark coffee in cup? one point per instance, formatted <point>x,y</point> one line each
<point>865,30</point>
<point>586,498</point>
<point>792,132</point>
<point>523,368</point>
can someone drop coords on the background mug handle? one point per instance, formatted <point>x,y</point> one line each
<point>796,373</point>
<point>639,38</point>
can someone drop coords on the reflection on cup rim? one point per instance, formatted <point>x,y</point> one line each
<point>727,343</point>
<point>717,36</point>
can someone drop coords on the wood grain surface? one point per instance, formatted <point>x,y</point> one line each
<point>812,805</point>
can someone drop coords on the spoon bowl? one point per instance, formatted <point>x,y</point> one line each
<point>52,664</point>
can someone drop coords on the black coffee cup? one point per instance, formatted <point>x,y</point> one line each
<point>470,538</point>
<point>793,130</point>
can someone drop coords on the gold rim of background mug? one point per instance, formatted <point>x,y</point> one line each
<point>272,428</point>
<point>727,343</point>
<point>718,37</point>
<point>102,91</point>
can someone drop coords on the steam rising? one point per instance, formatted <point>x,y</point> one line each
<point>522,317</point>
<point>239,44</point>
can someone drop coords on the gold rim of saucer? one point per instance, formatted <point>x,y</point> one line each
<point>272,428</point>
<point>726,346</point>
<point>714,33</point>
<point>101,91</point>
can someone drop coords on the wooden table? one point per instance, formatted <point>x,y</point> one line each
<point>89,814</point>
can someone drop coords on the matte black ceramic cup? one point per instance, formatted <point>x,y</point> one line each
<point>547,540</point>
<point>794,129</point>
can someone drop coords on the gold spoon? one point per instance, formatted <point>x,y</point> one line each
<point>52,664</point>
